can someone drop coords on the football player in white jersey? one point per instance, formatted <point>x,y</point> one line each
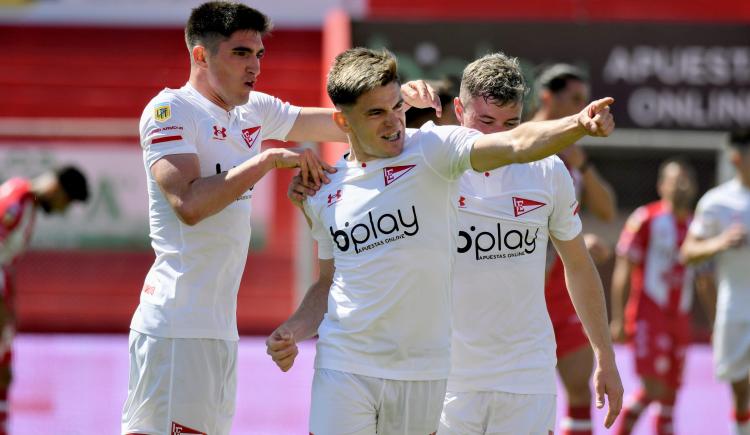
<point>385,230</point>
<point>720,231</point>
<point>503,353</point>
<point>201,150</point>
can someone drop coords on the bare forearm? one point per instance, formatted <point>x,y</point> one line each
<point>620,288</point>
<point>697,250</point>
<point>207,196</point>
<point>599,197</point>
<point>526,143</point>
<point>306,319</point>
<point>586,292</point>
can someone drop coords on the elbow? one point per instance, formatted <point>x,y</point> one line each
<point>187,215</point>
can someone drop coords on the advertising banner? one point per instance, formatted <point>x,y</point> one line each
<point>682,76</point>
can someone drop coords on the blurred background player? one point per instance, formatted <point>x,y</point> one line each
<point>720,232</point>
<point>562,90</point>
<point>658,289</point>
<point>20,198</point>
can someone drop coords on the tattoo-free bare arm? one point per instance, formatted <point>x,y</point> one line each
<point>535,140</point>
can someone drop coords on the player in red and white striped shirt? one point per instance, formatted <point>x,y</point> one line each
<point>656,319</point>
<point>19,199</point>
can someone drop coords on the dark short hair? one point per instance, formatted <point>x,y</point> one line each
<point>360,70</point>
<point>556,77</point>
<point>213,22</point>
<point>740,139</point>
<point>73,182</point>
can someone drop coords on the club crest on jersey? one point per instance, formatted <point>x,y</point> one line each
<point>220,133</point>
<point>393,173</point>
<point>333,198</point>
<point>251,135</point>
<point>461,202</point>
<point>178,429</point>
<point>162,112</point>
<point>522,206</point>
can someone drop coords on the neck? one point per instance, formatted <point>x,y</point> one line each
<point>199,81</point>
<point>744,179</point>
<point>356,154</point>
<point>678,211</point>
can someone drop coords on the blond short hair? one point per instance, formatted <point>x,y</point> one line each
<point>360,70</point>
<point>495,77</point>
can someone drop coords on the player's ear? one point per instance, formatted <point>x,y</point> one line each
<point>458,109</point>
<point>340,119</point>
<point>199,55</point>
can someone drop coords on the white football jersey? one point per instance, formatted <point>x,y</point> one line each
<point>719,208</point>
<point>502,333</point>
<point>389,225</point>
<point>191,289</point>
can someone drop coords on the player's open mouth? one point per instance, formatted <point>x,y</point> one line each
<point>392,138</point>
<point>250,84</point>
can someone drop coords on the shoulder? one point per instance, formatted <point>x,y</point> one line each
<point>166,105</point>
<point>15,195</point>
<point>716,196</point>
<point>642,215</point>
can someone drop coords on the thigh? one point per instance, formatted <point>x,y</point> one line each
<point>465,413</point>
<point>731,342</point>
<point>343,403</point>
<point>410,407</point>
<point>511,414</point>
<point>180,386</point>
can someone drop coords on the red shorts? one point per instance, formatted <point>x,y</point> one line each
<point>659,340</point>
<point>569,333</point>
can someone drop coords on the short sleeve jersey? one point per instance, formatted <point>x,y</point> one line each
<point>502,337</point>
<point>191,289</point>
<point>389,226</point>
<point>16,218</point>
<point>719,208</point>
<point>651,241</point>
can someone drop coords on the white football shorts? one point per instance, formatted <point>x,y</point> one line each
<point>496,413</point>
<point>731,341</point>
<point>346,403</point>
<point>180,385</point>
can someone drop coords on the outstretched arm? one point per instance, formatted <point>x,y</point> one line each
<point>587,295</point>
<point>315,124</point>
<point>536,140</point>
<point>281,345</point>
